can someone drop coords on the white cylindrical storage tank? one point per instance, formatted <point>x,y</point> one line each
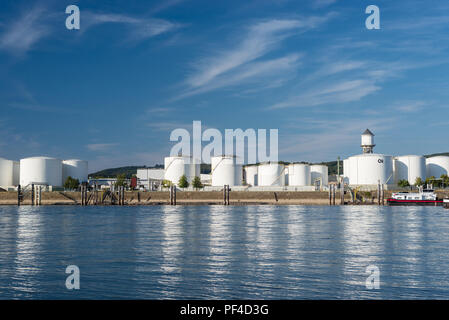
<point>271,174</point>
<point>226,171</point>
<point>370,168</point>
<point>176,167</point>
<point>251,175</point>
<point>77,169</point>
<point>298,174</point>
<point>16,173</point>
<point>409,168</point>
<point>6,173</point>
<point>437,166</point>
<point>319,172</point>
<point>41,170</point>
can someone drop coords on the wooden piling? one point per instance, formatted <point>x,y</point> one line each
<point>32,194</point>
<point>19,190</point>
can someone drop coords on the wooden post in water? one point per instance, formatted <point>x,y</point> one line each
<point>342,193</point>
<point>174,195</point>
<point>18,195</point>
<point>228,191</point>
<point>32,194</point>
<point>334,191</point>
<point>378,193</point>
<point>330,194</point>
<point>383,194</point>
<point>123,195</point>
<point>171,195</point>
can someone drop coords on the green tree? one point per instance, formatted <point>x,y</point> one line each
<point>419,182</point>
<point>445,180</point>
<point>121,180</point>
<point>183,183</point>
<point>166,183</point>
<point>71,183</point>
<point>403,183</point>
<point>196,183</point>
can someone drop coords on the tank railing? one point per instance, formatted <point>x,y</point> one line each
<point>282,172</point>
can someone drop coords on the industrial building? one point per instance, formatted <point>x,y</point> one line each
<point>150,178</point>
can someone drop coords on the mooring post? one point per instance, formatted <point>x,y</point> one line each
<point>174,195</point>
<point>334,194</point>
<point>378,194</point>
<point>224,194</point>
<point>330,194</point>
<point>342,194</point>
<point>32,194</point>
<point>383,194</point>
<point>227,194</point>
<point>171,197</point>
<point>18,195</point>
<point>123,195</point>
<point>138,196</point>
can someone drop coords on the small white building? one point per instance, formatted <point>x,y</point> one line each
<point>150,178</point>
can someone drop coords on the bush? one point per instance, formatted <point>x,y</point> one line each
<point>196,183</point>
<point>121,180</point>
<point>419,182</point>
<point>403,183</point>
<point>71,183</point>
<point>183,183</point>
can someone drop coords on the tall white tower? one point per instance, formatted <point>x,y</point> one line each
<point>367,141</point>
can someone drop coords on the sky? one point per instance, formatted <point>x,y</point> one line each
<point>113,91</point>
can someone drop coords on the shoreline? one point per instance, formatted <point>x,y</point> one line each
<point>186,198</point>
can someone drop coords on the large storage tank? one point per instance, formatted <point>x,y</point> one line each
<point>409,168</point>
<point>298,174</point>
<point>176,167</point>
<point>225,171</point>
<point>77,169</point>
<point>436,166</point>
<point>319,172</point>
<point>251,175</point>
<point>41,170</point>
<point>6,173</point>
<point>370,168</point>
<point>271,174</point>
<point>16,173</point>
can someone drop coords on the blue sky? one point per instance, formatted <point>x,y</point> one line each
<point>113,91</point>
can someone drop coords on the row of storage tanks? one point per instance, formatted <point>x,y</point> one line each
<point>226,171</point>
<point>41,170</point>
<point>370,169</point>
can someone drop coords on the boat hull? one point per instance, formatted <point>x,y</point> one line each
<point>395,202</point>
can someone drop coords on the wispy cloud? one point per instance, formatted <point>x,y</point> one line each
<point>141,28</point>
<point>242,61</point>
<point>100,146</point>
<point>335,93</point>
<point>22,35</point>
<point>322,3</point>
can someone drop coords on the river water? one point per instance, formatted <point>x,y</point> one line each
<point>218,252</point>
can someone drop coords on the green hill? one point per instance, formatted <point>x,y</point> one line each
<point>114,172</point>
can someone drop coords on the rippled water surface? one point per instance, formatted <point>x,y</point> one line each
<point>207,252</point>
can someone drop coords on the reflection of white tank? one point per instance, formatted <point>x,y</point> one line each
<point>409,168</point>
<point>77,169</point>
<point>7,173</point>
<point>226,171</point>
<point>271,174</point>
<point>298,174</point>
<point>369,168</point>
<point>319,172</point>
<point>176,167</point>
<point>436,166</point>
<point>41,170</point>
<point>251,175</point>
